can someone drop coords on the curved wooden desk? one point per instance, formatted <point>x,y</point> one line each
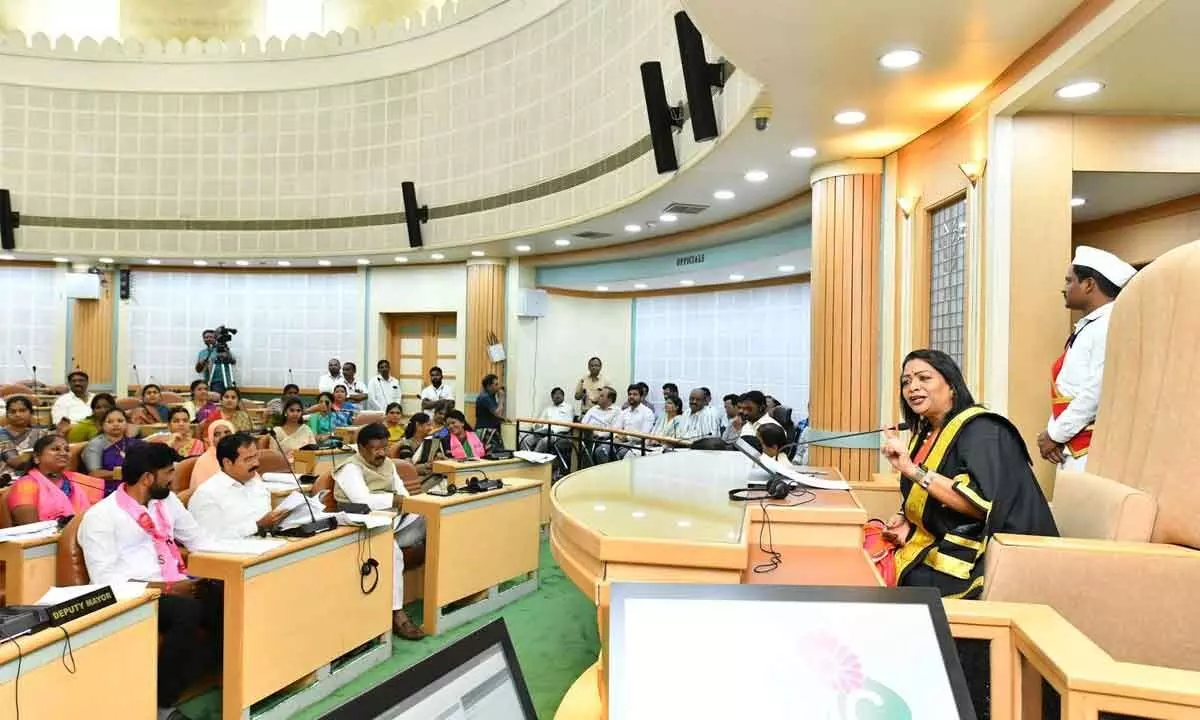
<point>668,518</point>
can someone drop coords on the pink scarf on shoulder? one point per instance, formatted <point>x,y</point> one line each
<point>160,531</point>
<point>456,448</point>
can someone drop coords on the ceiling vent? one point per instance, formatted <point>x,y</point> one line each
<point>685,209</point>
<point>592,235</point>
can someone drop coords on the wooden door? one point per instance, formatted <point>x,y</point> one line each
<point>418,342</point>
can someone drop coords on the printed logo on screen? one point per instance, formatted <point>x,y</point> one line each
<point>840,689</point>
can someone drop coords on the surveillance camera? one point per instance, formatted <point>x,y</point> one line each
<point>762,116</point>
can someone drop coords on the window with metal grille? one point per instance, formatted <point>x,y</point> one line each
<point>947,272</point>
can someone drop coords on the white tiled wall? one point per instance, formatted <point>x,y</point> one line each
<point>554,97</point>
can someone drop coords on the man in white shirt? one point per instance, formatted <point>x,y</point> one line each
<point>383,389</point>
<point>603,414</point>
<point>369,478</point>
<point>1093,281</point>
<point>752,407</point>
<point>701,419</point>
<point>356,391</point>
<point>333,378</point>
<point>559,410</point>
<point>634,416</point>
<point>435,390</point>
<point>591,386</point>
<point>235,503</point>
<point>76,404</point>
<point>132,535</point>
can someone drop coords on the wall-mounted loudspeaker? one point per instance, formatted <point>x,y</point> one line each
<point>699,77</point>
<point>9,222</point>
<point>126,284</point>
<point>664,119</point>
<point>414,215</point>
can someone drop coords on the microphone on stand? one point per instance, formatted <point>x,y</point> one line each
<point>291,380</point>
<point>35,387</point>
<point>901,427</point>
<point>136,380</point>
<point>308,529</point>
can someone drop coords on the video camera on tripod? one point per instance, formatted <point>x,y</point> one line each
<point>224,337</point>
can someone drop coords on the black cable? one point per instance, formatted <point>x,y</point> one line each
<point>68,651</point>
<point>775,558</point>
<point>17,678</point>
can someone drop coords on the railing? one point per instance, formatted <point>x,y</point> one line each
<point>584,439</point>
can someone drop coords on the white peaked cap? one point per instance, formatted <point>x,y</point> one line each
<point>1110,266</point>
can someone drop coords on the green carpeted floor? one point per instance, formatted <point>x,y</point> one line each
<point>553,630</point>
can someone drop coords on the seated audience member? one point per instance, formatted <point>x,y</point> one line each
<point>235,503</point>
<point>105,452</point>
<point>343,408</point>
<point>18,437</point>
<point>644,389</point>
<point>200,405</point>
<point>178,435</point>
<point>322,420</point>
<point>670,390</point>
<point>414,449</point>
<point>49,490</point>
<point>292,434</point>
<point>670,425</point>
<point>74,405</point>
<point>559,410</point>
<point>89,427</point>
<point>356,391</point>
<point>772,403</point>
<point>700,419</point>
<point>441,409</point>
<point>462,442</point>
<point>231,411</point>
<point>635,416</point>
<point>752,407</point>
<point>436,390</point>
<point>207,464</point>
<point>151,411</point>
<point>275,405</point>
<point>370,478</point>
<point>772,438</point>
<point>134,534</point>
<point>603,414</point>
<point>968,471</point>
<point>489,411</point>
<point>393,419</point>
<point>327,381</point>
<point>384,389</point>
<point>733,419</point>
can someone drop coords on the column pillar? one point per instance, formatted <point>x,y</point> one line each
<point>486,279</point>
<point>844,387</point>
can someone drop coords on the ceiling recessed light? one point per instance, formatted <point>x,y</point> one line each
<point>850,117</point>
<point>1079,89</point>
<point>283,263</point>
<point>639,286</point>
<point>10,257</point>
<point>152,261</point>
<point>60,259</point>
<point>684,523</point>
<point>668,217</point>
<point>803,152</point>
<point>103,260</point>
<point>599,508</point>
<point>524,248</point>
<point>633,228</point>
<point>756,176</point>
<point>241,263</point>
<point>1077,201</point>
<point>787,268</point>
<point>477,253</point>
<point>199,263</point>
<point>438,256</point>
<point>900,59</point>
<point>324,263</point>
<point>737,278</point>
<point>602,288</point>
<point>724,195</point>
<point>562,242</point>
<point>400,259</point>
<point>363,261</point>
<point>687,282</point>
<point>638,514</point>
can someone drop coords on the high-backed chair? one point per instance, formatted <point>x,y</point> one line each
<point>70,568</point>
<point>171,398</point>
<point>15,389</point>
<point>128,403</point>
<point>271,460</point>
<point>1127,570</point>
<point>5,514</point>
<point>75,456</point>
<point>183,475</point>
<point>367,417</point>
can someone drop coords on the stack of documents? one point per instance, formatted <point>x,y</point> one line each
<point>45,528</point>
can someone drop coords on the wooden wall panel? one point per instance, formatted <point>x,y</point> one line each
<point>845,305</point>
<point>92,333</point>
<point>485,314</point>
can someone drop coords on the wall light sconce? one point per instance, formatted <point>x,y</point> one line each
<point>907,205</point>
<point>974,170</point>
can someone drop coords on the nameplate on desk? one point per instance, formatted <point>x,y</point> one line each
<point>81,605</point>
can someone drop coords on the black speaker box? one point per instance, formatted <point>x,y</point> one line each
<point>699,78</point>
<point>414,215</point>
<point>9,222</point>
<point>664,119</point>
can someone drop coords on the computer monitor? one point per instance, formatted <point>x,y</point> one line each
<point>476,678</point>
<point>782,652</point>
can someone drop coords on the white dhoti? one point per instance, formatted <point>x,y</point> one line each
<point>407,536</point>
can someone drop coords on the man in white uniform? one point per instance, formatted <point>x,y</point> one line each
<point>1092,283</point>
<point>333,378</point>
<point>235,503</point>
<point>603,414</point>
<point>356,391</point>
<point>384,389</point>
<point>369,478</point>
<point>636,416</point>
<point>435,390</point>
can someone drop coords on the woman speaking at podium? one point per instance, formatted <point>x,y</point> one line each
<point>965,475</point>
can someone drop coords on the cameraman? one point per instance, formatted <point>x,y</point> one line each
<point>215,363</point>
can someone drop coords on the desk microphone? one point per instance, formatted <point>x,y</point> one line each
<point>308,529</point>
<point>291,380</point>
<point>136,380</point>
<point>901,427</point>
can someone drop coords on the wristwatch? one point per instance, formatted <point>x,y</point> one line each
<point>922,477</point>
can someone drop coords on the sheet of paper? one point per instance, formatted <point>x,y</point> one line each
<point>122,591</point>
<point>241,546</point>
<point>291,502</point>
<point>534,457</point>
<point>278,478</point>
<point>790,472</point>
<point>370,521</point>
<point>37,529</point>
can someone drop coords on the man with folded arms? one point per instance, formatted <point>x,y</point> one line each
<point>235,503</point>
<point>369,478</point>
<point>133,534</point>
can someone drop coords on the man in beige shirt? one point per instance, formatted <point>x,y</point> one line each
<point>587,390</point>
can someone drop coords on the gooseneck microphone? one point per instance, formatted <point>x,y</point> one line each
<point>136,380</point>
<point>900,428</point>
<point>308,529</point>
